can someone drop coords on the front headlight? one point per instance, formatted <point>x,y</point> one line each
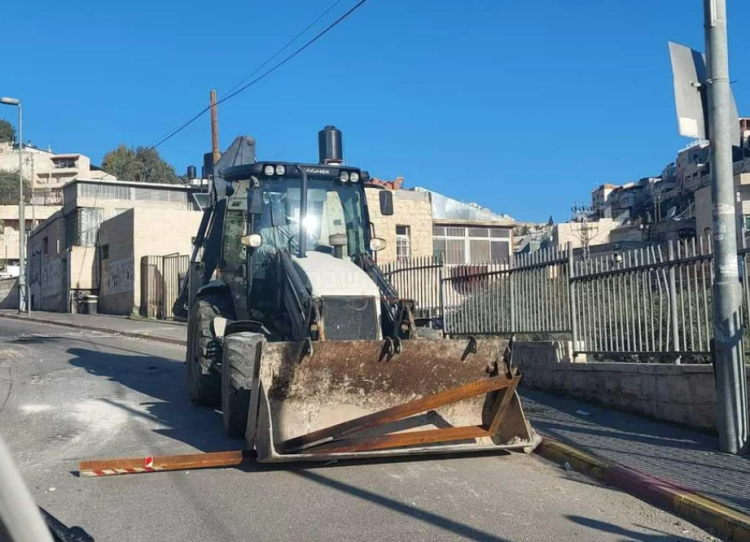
<point>344,176</point>
<point>280,170</point>
<point>354,177</point>
<point>269,170</point>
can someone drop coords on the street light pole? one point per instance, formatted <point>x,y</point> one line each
<point>729,363</point>
<point>22,290</point>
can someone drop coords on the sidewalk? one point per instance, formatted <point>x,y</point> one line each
<point>164,331</point>
<point>686,458</point>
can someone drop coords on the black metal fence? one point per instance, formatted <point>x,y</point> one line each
<point>528,296</point>
<point>418,279</point>
<point>648,301</point>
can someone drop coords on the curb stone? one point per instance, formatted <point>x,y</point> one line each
<point>725,521</point>
<point>73,325</point>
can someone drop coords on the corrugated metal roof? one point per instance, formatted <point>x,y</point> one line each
<point>445,208</point>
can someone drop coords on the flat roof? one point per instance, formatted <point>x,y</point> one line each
<point>183,187</point>
<point>481,223</point>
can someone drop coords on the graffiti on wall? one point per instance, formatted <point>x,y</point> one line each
<point>120,277</point>
<point>52,277</point>
<point>35,264</point>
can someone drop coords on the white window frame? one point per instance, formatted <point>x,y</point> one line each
<point>403,243</point>
<point>467,240</point>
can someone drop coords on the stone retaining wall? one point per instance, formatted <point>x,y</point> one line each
<point>9,293</point>
<point>683,394</point>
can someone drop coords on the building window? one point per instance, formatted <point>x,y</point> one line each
<point>45,246</point>
<point>105,252</point>
<point>403,243</point>
<point>457,246</point>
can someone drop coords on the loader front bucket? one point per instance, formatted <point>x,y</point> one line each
<point>345,399</point>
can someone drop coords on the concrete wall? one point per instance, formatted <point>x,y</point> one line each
<point>410,208</point>
<point>176,230</point>
<point>627,233</point>
<point>132,235</point>
<point>116,289</point>
<point>47,265</point>
<point>9,231</point>
<point>9,293</point>
<point>82,268</point>
<point>704,202</point>
<point>682,394</point>
<point>598,232</point>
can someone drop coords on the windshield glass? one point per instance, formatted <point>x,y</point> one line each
<point>332,208</point>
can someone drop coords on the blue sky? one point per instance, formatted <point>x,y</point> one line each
<point>523,107</point>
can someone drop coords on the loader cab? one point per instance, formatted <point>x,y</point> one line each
<point>332,206</point>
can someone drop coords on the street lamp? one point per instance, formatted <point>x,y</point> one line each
<point>23,293</point>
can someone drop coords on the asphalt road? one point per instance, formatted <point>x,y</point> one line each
<point>67,395</point>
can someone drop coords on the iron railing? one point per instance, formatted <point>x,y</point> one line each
<point>654,300</point>
<point>418,279</point>
<point>528,296</point>
<point>648,301</point>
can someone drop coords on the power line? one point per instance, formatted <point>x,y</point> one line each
<point>277,53</point>
<point>285,47</point>
<point>264,74</point>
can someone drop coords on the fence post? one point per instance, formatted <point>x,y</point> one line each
<point>441,301</point>
<point>673,301</point>
<point>512,296</point>
<point>572,306</point>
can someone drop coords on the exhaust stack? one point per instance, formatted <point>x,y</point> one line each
<point>330,146</point>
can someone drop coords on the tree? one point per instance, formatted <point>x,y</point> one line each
<point>7,132</point>
<point>9,188</point>
<point>139,164</point>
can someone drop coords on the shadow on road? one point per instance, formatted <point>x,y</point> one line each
<point>657,536</point>
<point>164,381</point>
<point>459,529</point>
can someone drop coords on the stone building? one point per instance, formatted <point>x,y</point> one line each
<point>427,223</point>
<point>125,239</point>
<point>408,232</point>
<point>66,254</point>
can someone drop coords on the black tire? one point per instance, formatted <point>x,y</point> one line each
<point>240,354</point>
<point>429,334</point>
<point>201,362</point>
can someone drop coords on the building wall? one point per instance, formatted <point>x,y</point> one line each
<point>176,231</point>
<point>9,233</point>
<point>573,232</point>
<point>9,293</point>
<point>410,208</point>
<point>117,264</point>
<point>113,197</point>
<point>50,170</point>
<point>47,266</point>
<point>626,233</point>
<point>82,268</point>
<point>704,204</point>
<point>126,239</point>
<point>600,196</point>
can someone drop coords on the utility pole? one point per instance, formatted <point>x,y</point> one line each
<point>22,289</point>
<point>729,363</point>
<point>214,129</point>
